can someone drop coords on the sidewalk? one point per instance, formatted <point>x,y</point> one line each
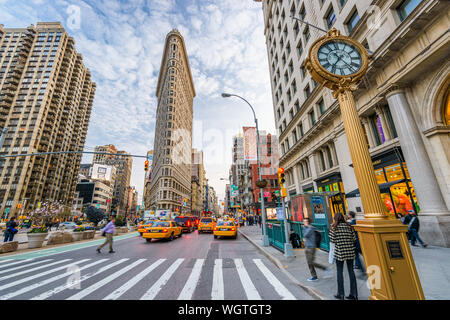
<point>432,263</point>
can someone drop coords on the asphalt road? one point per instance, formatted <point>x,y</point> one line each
<point>193,267</point>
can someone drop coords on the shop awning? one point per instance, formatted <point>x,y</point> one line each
<point>384,188</point>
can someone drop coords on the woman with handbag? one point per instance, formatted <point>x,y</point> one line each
<point>11,230</point>
<point>343,236</point>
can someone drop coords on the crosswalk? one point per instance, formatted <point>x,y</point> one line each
<point>143,279</point>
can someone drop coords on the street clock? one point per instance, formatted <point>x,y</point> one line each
<point>336,61</point>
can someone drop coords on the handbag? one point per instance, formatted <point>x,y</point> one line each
<point>331,253</point>
<point>103,234</point>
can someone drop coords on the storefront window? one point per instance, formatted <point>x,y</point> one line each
<point>446,109</point>
<point>377,129</point>
<point>394,172</point>
<point>379,174</point>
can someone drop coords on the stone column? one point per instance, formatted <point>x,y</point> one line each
<point>312,169</point>
<point>296,178</point>
<point>417,160</point>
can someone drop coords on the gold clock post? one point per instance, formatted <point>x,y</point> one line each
<point>391,270</point>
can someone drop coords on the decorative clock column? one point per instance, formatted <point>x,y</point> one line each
<point>339,63</point>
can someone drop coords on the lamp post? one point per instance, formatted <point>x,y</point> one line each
<point>265,238</point>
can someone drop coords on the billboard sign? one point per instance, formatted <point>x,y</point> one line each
<point>102,172</point>
<point>250,152</point>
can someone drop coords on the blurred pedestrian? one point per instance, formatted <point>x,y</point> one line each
<point>343,236</point>
<point>412,220</point>
<point>10,230</point>
<point>358,264</point>
<point>294,238</point>
<point>309,237</point>
<point>108,232</point>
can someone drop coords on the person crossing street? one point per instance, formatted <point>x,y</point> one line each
<point>108,231</point>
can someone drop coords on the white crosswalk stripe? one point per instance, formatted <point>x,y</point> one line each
<point>46,281</point>
<point>4,261</point>
<point>13,263</point>
<point>24,266</point>
<point>65,286</point>
<point>191,284</point>
<point>217,292</point>
<point>15,283</point>
<point>247,284</point>
<point>32,269</point>
<point>153,291</point>
<point>127,286</point>
<point>278,286</point>
<point>101,283</point>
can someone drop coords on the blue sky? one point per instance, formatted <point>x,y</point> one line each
<point>122,44</point>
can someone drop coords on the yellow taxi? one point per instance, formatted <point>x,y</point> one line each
<point>163,230</point>
<point>206,224</point>
<point>143,227</point>
<point>225,228</point>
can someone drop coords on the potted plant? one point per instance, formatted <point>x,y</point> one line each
<point>36,236</point>
<point>78,233</point>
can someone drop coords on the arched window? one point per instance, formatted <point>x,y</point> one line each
<point>330,159</point>
<point>322,160</point>
<point>446,108</point>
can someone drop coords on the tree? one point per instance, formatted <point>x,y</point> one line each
<point>48,212</point>
<point>94,215</point>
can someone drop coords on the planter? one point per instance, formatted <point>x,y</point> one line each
<point>89,234</point>
<point>36,240</point>
<point>77,236</point>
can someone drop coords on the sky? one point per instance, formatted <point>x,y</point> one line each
<point>122,43</point>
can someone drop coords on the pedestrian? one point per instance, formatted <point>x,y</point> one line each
<point>108,232</point>
<point>343,236</point>
<point>294,238</point>
<point>412,220</point>
<point>10,230</point>
<point>358,264</point>
<point>48,224</point>
<point>309,237</point>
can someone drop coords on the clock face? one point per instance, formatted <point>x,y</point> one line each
<point>339,58</point>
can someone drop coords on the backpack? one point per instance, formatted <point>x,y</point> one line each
<point>318,238</point>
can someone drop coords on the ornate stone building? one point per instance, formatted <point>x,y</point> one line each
<point>46,97</point>
<point>171,172</point>
<point>402,101</point>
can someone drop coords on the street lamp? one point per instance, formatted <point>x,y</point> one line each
<point>265,238</point>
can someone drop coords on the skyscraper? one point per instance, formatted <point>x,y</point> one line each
<point>46,97</point>
<point>123,165</point>
<point>171,171</point>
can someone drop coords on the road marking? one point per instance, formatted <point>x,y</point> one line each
<point>127,286</point>
<point>191,284</point>
<point>15,283</point>
<point>32,269</point>
<point>2,261</point>
<point>247,284</point>
<point>47,281</point>
<point>25,266</point>
<point>277,285</point>
<point>153,291</point>
<point>63,287</point>
<point>101,283</point>
<point>13,263</point>
<point>217,292</point>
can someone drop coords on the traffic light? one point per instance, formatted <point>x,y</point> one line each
<point>274,197</point>
<point>146,165</point>
<point>281,179</point>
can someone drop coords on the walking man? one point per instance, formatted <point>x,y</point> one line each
<point>413,227</point>
<point>309,235</point>
<point>108,231</point>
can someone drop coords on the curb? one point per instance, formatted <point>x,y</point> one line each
<point>313,292</point>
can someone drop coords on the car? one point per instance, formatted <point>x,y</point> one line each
<point>186,222</point>
<point>225,228</point>
<point>68,225</point>
<point>196,221</point>
<point>206,224</point>
<point>163,230</point>
<point>146,224</point>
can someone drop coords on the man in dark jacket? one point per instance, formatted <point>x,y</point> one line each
<point>11,230</point>
<point>309,236</point>
<point>412,220</point>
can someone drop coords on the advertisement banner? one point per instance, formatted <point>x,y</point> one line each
<point>318,206</point>
<point>267,194</point>
<point>297,208</point>
<point>280,215</point>
<point>250,152</point>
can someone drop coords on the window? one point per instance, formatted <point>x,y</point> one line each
<point>307,91</point>
<point>306,34</point>
<point>377,129</point>
<point>406,7</point>
<point>303,69</point>
<point>312,117</point>
<point>296,29</point>
<point>299,48</point>
<point>342,2</point>
<point>300,129</point>
<point>391,122</point>
<point>330,158</point>
<point>330,18</point>
<point>294,136</point>
<point>294,86</point>
<point>321,106</point>
<point>297,106</point>
<point>322,160</point>
<point>352,21</point>
<point>302,13</point>
<point>291,114</point>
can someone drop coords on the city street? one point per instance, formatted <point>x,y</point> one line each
<point>193,267</point>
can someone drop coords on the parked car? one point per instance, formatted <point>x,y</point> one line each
<point>68,225</point>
